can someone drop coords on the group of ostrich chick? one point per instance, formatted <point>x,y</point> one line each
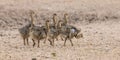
<point>49,31</point>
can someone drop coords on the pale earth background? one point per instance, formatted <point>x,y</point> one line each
<point>98,19</point>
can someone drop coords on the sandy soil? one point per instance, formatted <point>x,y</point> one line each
<point>99,21</point>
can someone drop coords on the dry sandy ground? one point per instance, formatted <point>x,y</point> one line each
<point>99,21</point>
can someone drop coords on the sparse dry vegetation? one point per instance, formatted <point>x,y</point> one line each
<point>99,21</point>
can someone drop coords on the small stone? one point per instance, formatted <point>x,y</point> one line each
<point>53,54</point>
<point>34,59</point>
